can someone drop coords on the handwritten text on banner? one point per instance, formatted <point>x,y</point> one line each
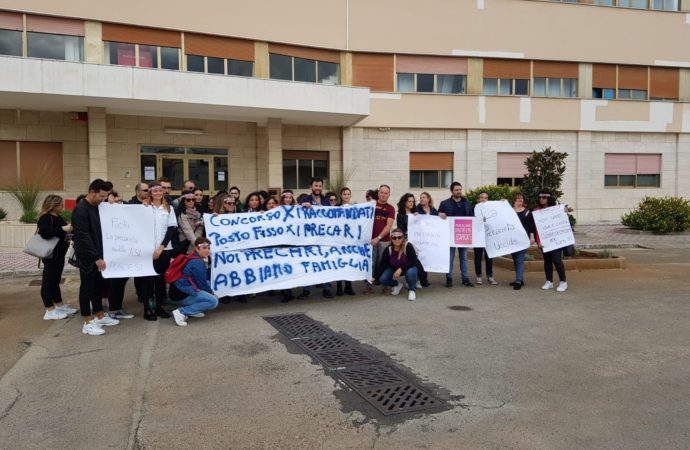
<point>291,225</point>
<point>263,269</point>
<point>553,227</point>
<point>430,236</point>
<point>503,230</point>
<point>128,240</point>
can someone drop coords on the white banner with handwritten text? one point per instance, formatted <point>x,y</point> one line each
<point>128,240</point>
<point>502,227</point>
<point>553,227</point>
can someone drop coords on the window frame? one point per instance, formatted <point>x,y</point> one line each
<point>463,83</point>
<point>137,56</point>
<point>635,184</point>
<point>186,154</point>
<point>297,156</point>
<point>501,82</point>
<point>27,34</point>
<point>440,177</point>
<point>316,70</point>
<point>226,65</point>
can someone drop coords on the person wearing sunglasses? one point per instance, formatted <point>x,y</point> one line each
<point>345,199</point>
<point>193,291</point>
<point>398,260</point>
<point>191,223</point>
<point>554,257</point>
<point>141,195</point>
<point>332,198</point>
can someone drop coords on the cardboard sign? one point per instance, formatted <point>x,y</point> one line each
<point>502,228</point>
<point>128,240</point>
<point>430,236</point>
<point>553,227</point>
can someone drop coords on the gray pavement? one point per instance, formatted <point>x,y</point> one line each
<point>603,365</point>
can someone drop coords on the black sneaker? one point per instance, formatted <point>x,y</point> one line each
<point>349,291</point>
<point>449,282</point>
<point>517,286</point>
<point>339,292</point>
<point>305,293</point>
<point>467,283</point>
<point>327,293</point>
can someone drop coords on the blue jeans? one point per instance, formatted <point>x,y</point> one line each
<point>410,275</point>
<point>519,262</point>
<point>463,264</point>
<point>199,302</point>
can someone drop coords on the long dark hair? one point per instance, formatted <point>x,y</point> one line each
<point>551,200</point>
<point>403,200</point>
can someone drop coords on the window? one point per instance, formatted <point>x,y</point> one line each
<point>55,46</point>
<point>210,64</point>
<point>207,167</point>
<point>300,166</point>
<point>195,63</point>
<point>11,42</point>
<point>241,68</point>
<point>293,68</point>
<point>607,93</point>
<point>215,65</point>
<point>632,170</point>
<point>640,4</point>
<point>603,2</point>
<point>423,82</point>
<point>554,87</point>
<point>632,94</point>
<point>140,55</point>
<point>432,170</point>
<point>505,86</point>
<point>665,5</point>
<point>39,163</point>
<point>511,168</point>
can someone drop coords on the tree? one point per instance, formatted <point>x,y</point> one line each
<point>545,170</point>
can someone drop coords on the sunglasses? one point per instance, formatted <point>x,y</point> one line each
<point>332,199</point>
<point>188,199</point>
<point>544,196</point>
<point>228,202</point>
<point>396,238</point>
<point>143,190</point>
<point>203,246</point>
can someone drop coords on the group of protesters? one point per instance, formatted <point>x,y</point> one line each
<point>179,230</point>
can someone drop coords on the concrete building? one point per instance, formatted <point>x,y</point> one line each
<point>264,94</point>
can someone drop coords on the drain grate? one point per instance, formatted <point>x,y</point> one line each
<point>390,391</point>
<point>401,398</point>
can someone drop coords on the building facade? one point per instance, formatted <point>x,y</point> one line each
<point>267,94</point>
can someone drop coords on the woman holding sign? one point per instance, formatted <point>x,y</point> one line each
<point>554,257</point>
<point>479,253</point>
<point>398,259</point>
<point>520,208</point>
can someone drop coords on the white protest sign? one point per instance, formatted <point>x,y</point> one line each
<point>264,269</point>
<point>430,236</point>
<point>502,227</point>
<point>128,240</point>
<point>553,227</point>
<point>466,232</point>
<point>291,225</point>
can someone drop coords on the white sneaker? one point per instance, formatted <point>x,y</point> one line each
<point>396,289</point>
<point>179,318</point>
<point>67,309</point>
<point>419,285</point>
<point>411,296</point>
<point>548,285</point>
<point>92,329</point>
<point>198,315</point>
<point>492,281</point>
<point>478,280</point>
<point>105,321</point>
<point>562,286</point>
<point>55,314</point>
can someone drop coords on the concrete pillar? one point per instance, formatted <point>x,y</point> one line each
<point>472,162</point>
<point>346,68</point>
<point>261,69</point>
<point>269,155</point>
<point>682,164</point>
<point>584,80</point>
<point>585,175</point>
<point>475,75</point>
<point>98,160</point>
<point>93,42</point>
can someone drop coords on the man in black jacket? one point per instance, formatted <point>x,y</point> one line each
<point>457,206</point>
<point>88,247</point>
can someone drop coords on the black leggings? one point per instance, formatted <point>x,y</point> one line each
<point>480,253</point>
<point>50,283</point>
<point>116,292</point>
<point>155,286</point>
<point>554,258</point>
<point>90,301</point>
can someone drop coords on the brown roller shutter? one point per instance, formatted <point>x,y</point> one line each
<point>373,70</point>
<point>11,21</point>
<point>604,76</point>
<point>554,69</point>
<point>431,161</point>
<point>8,168</point>
<point>41,162</point>
<point>306,52</point>
<point>218,46</point>
<point>506,68</point>
<point>305,155</point>
<point>114,32</point>
<point>55,25</point>
<point>664,82</point>
<point>632,77</point>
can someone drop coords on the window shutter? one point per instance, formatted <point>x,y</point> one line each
<point>373,70</point>
<point>648,164</point>
<point>619,164</point>
<point>306,52</point>
<point>219,46</point>
<point>44,160</point>
<point>8,168</point>
<point>130,34</point>
<point>664,82</point>
<point>632,77</point>
<point>555,69</point>
<point>604,76</point>
<point>11,21</point>
<point>506,68</point>
<point>55,25</point>
<point>431,161</point>
<point>431,64</point>
<point>511,165</point>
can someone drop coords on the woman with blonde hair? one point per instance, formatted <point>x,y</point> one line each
<point>398,259</point>
<point>50,225</point>
<point>426,204</point>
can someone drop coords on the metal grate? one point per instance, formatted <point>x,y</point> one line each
<point>401,398</point>
<point>370,376</point>
<point>389,390</point>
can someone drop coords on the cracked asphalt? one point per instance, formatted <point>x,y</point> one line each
<point>604,365</point>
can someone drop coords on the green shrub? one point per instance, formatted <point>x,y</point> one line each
<point>529,257</point>
<point>29,217</point>
<point>66,215</point>
<point>663,215</point>
<point>3,214</point>
<point>605,254</point>
<point>502,192</point>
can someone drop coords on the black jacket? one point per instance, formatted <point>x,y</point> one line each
<point>384,262</point>
<point>88,240</point>
<point>50,226</point>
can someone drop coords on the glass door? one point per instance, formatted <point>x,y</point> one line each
<point>172,167</point>
<point>199,170</point>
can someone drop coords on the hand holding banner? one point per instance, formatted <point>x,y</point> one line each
<point>553,227</point>
<point>430,236</point>
<point>128,240</point>
<point>504,232</point>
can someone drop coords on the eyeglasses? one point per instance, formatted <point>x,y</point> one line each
<point>396,238</point>
<point>333,199</point>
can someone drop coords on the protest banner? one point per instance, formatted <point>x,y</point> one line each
<point>128,240</point>
<point>553,227</point>
<point>466,232</point>
<point>430,236</point>
<point>503,230</point>
<point>264,269</point>
<point>291,225</point>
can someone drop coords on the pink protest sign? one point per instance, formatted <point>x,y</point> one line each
<point>462,231</point>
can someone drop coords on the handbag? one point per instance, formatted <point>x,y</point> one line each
<point>41,248</point>
<point>72,257</point>
<point>569,250</point>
